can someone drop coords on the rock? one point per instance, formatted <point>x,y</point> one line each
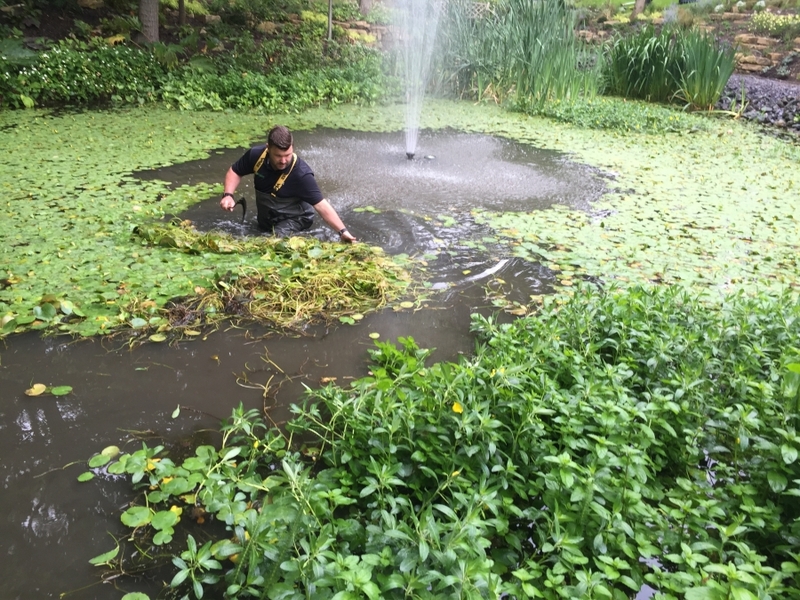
<point>91,4</point>
<point>755,60</point>
<point>775,56</point>
<point>745,38</point>
<point>751,68</point>
<point>213,19</point>
<point>780,123</point>
<point>763,41</point>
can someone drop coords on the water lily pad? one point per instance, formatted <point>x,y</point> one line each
<point>157,337</point>
<point>85,476</point>
<point>36,390</point>
<point>192,332</point>
<point>406,304</point>
<point>138,323</point>
<point>61,390</point>
<point>98,460</point>
<point>374,335</point>
<point>110,451</point>
<point>357,317</point>
<point>136,516</point>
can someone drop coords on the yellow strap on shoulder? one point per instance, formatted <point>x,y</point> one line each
<point>260,160</point>
<point>282,179</point>
<point>279,184</point>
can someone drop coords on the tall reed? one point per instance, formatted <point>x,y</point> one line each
<point>646,65</point>
<point>524,51</point>
<point>708,66</point>
<point>669,65</point>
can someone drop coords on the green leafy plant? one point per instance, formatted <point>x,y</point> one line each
<point>646,65</point>
<point>614,426</point>
<point>670,64</point>
<point>524,52</point>
<point>707,68</point>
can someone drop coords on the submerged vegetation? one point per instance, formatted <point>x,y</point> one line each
<point>619,439</point>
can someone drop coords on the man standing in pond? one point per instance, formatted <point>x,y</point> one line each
<point>286,191</point>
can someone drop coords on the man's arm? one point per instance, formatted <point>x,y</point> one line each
<point>329,215</point>
<point>231,183</point>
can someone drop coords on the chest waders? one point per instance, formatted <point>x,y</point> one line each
<point>282,216</point>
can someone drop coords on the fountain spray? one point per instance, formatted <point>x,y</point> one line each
<point>419,23</point>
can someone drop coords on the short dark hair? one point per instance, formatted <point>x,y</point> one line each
<point>280,137</point>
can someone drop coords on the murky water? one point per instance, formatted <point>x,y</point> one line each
<point>51,524</point>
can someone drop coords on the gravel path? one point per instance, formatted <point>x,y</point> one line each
<point>769,101</point>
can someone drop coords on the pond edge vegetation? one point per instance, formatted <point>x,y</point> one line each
<point>616,439</point>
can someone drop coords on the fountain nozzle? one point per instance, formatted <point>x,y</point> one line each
<point>410,155</point>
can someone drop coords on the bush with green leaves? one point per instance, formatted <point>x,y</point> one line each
<point>193,90</point>
<point>616,439</point>
<point>668,65</point>
<point>80,73</point>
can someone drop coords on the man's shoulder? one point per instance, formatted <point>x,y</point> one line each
<point>302,167</point>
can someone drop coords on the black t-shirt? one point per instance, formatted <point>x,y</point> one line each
<point>299,184</point>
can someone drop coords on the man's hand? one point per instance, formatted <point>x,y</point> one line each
<point>348,237</point>
<point>227,203</point>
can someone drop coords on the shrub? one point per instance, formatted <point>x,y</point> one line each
<point>622,438</point>
<point>78,73</point>
<point>767,23</point>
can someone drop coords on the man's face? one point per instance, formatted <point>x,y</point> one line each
<point>279,159</point>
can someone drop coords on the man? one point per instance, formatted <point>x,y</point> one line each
<point>285,187</point>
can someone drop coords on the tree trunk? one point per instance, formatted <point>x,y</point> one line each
<point>181,12</point>
<point>148,15</point>
<point>637,9</point>
<point>364,6</point>
<point>330,20</point>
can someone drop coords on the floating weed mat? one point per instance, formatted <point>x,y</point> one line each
<point>285,283</point>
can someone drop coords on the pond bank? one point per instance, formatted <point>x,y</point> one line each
<point>769,101</point>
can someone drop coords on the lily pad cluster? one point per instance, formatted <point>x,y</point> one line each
<point>713,207</point>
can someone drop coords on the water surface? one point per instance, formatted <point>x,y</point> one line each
<point>52,525</point>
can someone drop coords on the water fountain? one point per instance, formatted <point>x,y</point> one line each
<point>418,21</point>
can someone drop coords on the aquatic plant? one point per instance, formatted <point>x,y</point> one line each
<point>669,65</point>
<point>646,65</point>
<point>285,283</point>
<point>708,67</point>
<point>616,439</point>
<point>522,51</point>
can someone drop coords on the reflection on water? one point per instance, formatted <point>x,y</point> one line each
<point>121,396</point>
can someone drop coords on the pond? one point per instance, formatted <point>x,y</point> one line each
<point>121,396</point>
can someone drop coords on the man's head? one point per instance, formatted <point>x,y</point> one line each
<point>279,147</point>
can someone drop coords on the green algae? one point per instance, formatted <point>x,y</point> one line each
<point>714,205</point>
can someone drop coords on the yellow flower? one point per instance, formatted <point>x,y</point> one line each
<point>456,473</point>
<point>457,408</point>
<point>176,509</point>
<point>167,480</point>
